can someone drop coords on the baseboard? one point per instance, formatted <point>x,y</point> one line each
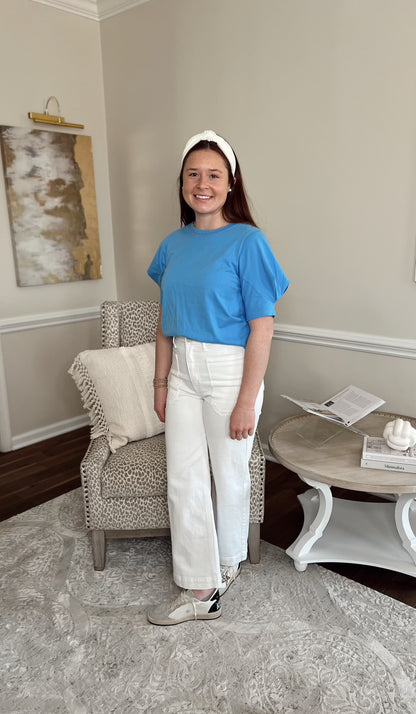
<point>47,432</point>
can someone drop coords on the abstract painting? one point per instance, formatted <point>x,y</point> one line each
<point>50,191</point>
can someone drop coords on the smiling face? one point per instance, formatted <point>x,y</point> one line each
<point>205,187</point>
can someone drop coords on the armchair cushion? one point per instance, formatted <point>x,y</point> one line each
<point>117,390</point>
<point>138,470</point>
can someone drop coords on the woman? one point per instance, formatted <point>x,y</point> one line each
<point>219,284</point>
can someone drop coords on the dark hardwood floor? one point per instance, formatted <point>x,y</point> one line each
<point>39,472</point>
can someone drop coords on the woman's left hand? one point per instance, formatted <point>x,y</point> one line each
<point>242,423</point>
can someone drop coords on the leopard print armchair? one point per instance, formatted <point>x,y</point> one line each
<point>125,493</point>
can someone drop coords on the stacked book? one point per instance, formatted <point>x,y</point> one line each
<point>377,455</point>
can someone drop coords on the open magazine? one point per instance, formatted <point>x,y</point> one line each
<point>345,408</point>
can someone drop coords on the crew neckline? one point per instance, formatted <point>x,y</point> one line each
<point>205,231</point>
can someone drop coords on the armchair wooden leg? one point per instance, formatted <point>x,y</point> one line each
<point>254,543</point>
<point>98,549</point>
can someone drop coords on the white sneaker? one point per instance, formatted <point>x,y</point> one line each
<point>228,574</point>
<point>185,607</point>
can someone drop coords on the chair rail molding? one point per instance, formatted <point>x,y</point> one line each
<point>49,319</point>
<point>356,341</point>
<point>321,337</point>
<point>8,442</point>
<point>93,9</point>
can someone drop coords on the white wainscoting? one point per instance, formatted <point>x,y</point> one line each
<point>47,432</point>
<point>35,322</point>
<point>359,342</point>
<point>375,344</point>
<point>5,430</point>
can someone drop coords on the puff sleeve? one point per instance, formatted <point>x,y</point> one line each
<point>262,279</point>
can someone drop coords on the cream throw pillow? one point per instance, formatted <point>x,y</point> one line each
<point>116,386</point>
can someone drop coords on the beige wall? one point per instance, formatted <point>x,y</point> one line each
<point>319,101</point>
<point>42,375</point>
<point>297,369</point>
<point>44,52</point>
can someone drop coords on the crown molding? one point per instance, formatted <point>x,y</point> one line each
<point>108,8</point>
<point>93,9</point>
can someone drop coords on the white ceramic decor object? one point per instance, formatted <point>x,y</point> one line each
<point>399,434</point>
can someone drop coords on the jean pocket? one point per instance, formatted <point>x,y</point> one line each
<point>173,389</point>
<point>227,371</point>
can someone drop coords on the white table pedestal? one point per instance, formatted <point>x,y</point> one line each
<point>343,531</point>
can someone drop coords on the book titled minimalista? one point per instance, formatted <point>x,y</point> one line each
<point>377,454</point>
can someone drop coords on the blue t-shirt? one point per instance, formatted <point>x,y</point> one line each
<point>214,281</point>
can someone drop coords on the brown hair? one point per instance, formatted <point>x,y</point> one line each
<point>236,208</point>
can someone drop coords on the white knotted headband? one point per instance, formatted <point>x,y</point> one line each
<point>209,135</point>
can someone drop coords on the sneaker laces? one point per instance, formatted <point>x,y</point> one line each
<point>182,598</point>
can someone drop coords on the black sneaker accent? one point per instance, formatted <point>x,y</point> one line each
<point>216,605</point>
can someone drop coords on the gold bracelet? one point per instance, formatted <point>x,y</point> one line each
<point>160,382</point>
<point>160,386</point>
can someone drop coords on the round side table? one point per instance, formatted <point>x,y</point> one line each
<point>340,530</point>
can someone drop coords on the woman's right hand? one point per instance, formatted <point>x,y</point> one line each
<point>163,362</point>
<point>160,397</point>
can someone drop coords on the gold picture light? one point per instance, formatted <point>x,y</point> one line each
<point>55,120</point>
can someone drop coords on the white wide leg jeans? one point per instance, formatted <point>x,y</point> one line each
<point>209,523</point>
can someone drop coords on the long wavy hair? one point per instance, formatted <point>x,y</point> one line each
<point>236,208</point>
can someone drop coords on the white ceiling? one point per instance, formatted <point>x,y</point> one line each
<point>94,9</point>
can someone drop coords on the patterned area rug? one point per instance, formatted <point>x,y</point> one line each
<point>77,641</point>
